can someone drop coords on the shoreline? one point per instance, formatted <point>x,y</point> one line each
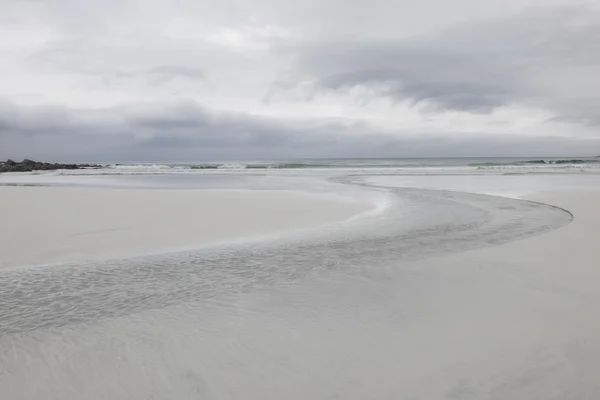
<point>52,225</point>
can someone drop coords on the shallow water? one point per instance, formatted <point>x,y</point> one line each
<point>314,315</point>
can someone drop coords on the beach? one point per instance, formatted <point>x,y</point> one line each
<point>49,225</point>
<point>511,321</point>
<point>463,287</point>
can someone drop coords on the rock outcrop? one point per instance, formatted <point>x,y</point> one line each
<point>30,165</point>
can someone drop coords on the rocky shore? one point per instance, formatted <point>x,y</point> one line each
<point>30,165</point>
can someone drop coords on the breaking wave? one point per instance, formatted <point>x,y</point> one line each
<point>537,162</point>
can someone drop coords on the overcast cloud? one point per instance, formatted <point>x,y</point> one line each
<point>186,80</point>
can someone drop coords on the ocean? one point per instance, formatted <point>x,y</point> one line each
<point>374,165</point>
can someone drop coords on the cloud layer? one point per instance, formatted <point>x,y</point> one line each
<point>186,80</point>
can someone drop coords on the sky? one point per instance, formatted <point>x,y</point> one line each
<point>191,80</point>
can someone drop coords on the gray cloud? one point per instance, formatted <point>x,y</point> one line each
<point>154,76</point>
<point>187,79</point>
<point>187,132</point>
<point>530,59</point>
<point>95,60</point>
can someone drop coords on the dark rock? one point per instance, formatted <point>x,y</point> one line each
<point>30,165</point>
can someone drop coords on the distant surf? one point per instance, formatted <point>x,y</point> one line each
<point>360,163</point>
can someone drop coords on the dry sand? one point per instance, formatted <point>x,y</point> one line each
<point>43,225</point>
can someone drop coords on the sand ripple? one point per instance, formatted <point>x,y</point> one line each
<point>441,223</point>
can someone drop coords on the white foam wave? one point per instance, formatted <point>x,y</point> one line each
<point>232,166</point>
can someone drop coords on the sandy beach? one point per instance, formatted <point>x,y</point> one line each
<point>515,320</point>
<point>46,225</point>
